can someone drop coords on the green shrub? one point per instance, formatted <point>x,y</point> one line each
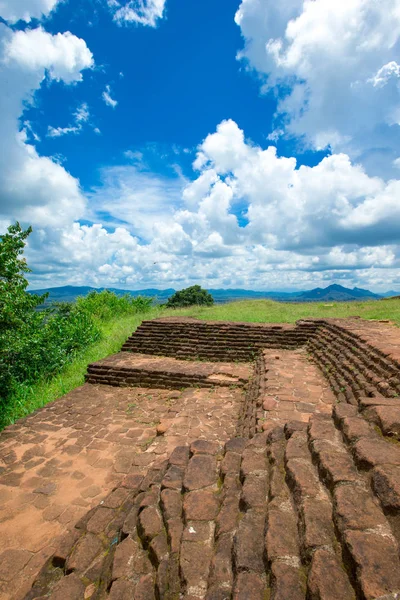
<point>190,296</point>
<point>37,344</point>
<point>106,305</point>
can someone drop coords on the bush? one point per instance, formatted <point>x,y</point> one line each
<point>189,297</point>
<point>106,305</point>
<point>37,344</point>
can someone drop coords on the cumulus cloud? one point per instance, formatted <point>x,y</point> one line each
<point>25,10</point>
<point>142,12</point>
<point>62,56</point>
<point>303,226</point>
<point>338,64</point>
<point>35,188</point>
<point>106,95</point>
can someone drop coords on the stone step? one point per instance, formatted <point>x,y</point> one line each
<point>297,512</point>
<point>126,369</point>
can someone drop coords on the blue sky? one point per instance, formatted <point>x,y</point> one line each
<point>233,144</point>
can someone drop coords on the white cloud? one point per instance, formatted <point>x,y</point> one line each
<point>25,10</point>
<point>106,95</point>
<point>33,188</point>
<point>142,12</point>
<point>338,60</point>
<point>303,226</point>
<point>63,56</point>
<point>81,116</point>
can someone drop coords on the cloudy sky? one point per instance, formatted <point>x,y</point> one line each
<point>250,144</point>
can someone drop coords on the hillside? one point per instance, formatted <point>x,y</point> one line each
<point>336,293</point>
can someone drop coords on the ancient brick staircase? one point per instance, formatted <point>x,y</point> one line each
<point>290,514</point>
<point>303,504</point>
<point>215,341</point>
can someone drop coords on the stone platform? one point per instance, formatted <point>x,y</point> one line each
<point>269,468</point>
<point>128,369</point>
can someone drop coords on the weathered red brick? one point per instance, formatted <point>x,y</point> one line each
<point>235,445</point>
<point>201,472</point>
<point>376,561</point>
<point>145,588</point>
<point>249,585</point>
<point>85,551</point>
<point>70,587</point>
<point>388,418</point>
<point>343,410</point>
<point>316,524</point>
<point>230,463</point>
<point>171,502</point>
<point>173,478</point>
<point>255,491</point>
<point>129,558</point>
<point>195,559</point>
<point>355,508</point>
<point>221,573</point>
<point>327,579</point>
<point>302,479</point>
<point>335,464</point>
<point>100,519</point>
<point>201,505</point>
<point>253,461</point>
<point>205,447</point>
<point>297,446</point>
<point>386,485</point>
<point>159,547</point>
<point>355,428</point>
<point>370,453</point>
<point>249,542</point>
<point>287,582</point>
<point>150,523</point>
<point>322,428</point>
<point>121,590</point>
<point>281,540</point>
<point>179,456</point>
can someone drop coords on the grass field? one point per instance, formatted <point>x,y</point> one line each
<point>268,311</point>
<point>115,332</point>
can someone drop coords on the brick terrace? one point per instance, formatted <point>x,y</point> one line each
<point>286,508</point>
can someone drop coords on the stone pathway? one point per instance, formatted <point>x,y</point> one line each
<point>59,462</point>
<point>294,388</point>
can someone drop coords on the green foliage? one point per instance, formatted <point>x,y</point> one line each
<point>106,305</point>
<point>190,296</point>
<point>15,302</point>
<point>37,344</point>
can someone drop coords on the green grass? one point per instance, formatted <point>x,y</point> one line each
<point>268,311</point>
<point>114,334</point>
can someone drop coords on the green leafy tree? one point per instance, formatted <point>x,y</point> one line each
<point>15,302</point>
<point>189,297</point>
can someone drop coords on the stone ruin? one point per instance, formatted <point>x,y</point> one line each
<point>213,461</point>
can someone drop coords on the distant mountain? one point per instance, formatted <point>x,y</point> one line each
<point>69,293</point>
<point>336,293</point>
<point>390,294</point>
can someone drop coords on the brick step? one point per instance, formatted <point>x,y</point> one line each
<point>372,361</point>
<point>288,514</point>
<point>360,371</point>
<point>129,370</point>
<point>368,349</point>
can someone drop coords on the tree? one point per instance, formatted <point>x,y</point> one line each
<point>15,302</point>
<point>189,297</point>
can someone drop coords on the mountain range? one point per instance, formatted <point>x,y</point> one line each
<point>336,293</point>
